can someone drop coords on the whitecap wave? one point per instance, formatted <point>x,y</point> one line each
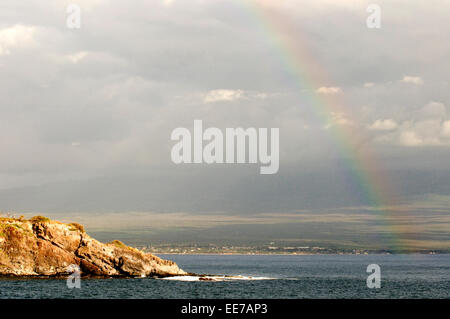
<point>215,278</point>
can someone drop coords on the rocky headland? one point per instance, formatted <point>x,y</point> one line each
<point>40,247</point>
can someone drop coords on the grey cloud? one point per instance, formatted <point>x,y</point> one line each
<point>119,85</point>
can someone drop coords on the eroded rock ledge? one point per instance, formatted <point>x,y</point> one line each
<point>41,247</point>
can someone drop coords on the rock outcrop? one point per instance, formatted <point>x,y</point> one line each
<point>41,247</point>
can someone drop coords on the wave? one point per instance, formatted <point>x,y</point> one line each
<point>215,278</point>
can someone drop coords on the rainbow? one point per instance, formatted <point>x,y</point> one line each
<point>352,146</point>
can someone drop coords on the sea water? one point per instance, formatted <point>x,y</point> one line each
<point>262,276</point>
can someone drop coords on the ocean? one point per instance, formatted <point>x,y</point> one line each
<point>263,276</point>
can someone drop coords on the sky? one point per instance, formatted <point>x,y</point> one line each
<point>86,114</point>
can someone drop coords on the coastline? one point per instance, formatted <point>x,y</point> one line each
<point>300,254</point>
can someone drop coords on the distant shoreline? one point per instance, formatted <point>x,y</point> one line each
<point>298,254</point>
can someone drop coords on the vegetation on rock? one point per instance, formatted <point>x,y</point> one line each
<point>42,247</point>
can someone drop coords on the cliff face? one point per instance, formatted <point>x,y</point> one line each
<point>40,247</point>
